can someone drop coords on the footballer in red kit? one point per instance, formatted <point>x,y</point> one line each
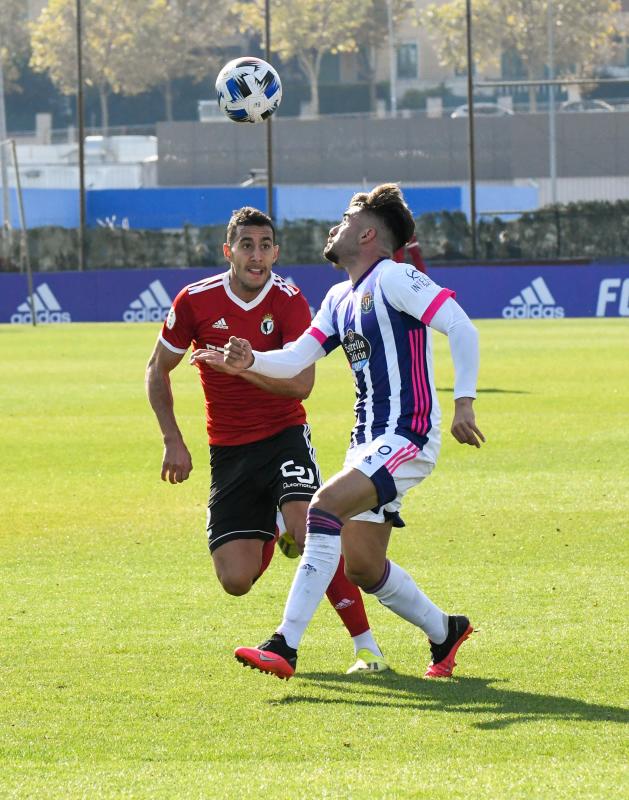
<point>261,455</point>
<point>205,314</point>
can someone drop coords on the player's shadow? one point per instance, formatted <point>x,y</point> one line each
<point>501,707</point>
<point>488,390</point>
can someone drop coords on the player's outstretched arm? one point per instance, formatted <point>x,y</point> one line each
<point>463,340</point>
<point>177,461</point>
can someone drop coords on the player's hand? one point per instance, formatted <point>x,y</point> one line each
<point>238,353</point>
<point>464,427</point>
<point>177,462</point>
<point>214,357</point>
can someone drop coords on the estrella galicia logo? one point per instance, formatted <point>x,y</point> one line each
<point>366,302</point>
<point>357,349</point>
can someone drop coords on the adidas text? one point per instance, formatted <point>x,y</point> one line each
<point>533,312</point>
<point>145,315</point>
<point>42,317</point>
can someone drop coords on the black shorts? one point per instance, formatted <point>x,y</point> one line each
<point>251,481</point>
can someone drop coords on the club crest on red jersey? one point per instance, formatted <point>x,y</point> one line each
<point>267,325</point>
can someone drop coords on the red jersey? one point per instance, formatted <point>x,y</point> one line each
<point>208,313</point>
<point>414,251</point>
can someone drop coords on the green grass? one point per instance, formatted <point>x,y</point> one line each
<point>116,671</point>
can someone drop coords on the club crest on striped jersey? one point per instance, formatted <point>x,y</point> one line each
<point>268,324</point>
<point>357,349</point>
<point>366,302</point>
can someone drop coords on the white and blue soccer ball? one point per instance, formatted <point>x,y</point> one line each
<point>248,90</point>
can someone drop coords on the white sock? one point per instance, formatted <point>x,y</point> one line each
<point>316,569</point>
<point>398,592</point>
<point>366,640</point>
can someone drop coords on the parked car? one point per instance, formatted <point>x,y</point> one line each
<point>482,110</point>
<point>586,105</point>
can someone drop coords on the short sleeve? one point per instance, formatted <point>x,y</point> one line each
<point>178,330</point>
<point>413,292</point>
<point>296,319</point>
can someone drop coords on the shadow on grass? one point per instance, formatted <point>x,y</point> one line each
<point>487,390</point>
<point>479,696</point>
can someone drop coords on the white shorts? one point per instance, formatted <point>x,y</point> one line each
<point>395,465</point>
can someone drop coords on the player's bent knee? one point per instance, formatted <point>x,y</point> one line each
<point>363,578</point>
<point>236,585</point>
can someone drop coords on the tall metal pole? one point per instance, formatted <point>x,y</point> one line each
<point>25,253</point>
<point>80,113</point>
<point>470,126</point>
<point>552,131</point>
<point>392,70</point>
<point>4,172</point>
<point>269,123</point>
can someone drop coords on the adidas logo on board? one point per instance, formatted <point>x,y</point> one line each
<point>534,302</point>
<point>47,308</point>
<point>152,305</point>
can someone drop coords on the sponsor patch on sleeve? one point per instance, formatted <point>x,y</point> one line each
<point>171,318</point>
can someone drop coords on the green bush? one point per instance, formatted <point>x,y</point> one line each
<point>592,230</point>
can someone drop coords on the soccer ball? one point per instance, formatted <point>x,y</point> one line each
<point>248,90</point>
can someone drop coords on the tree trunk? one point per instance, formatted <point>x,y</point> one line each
<point>367,58</point>
<point>103,96</point>
<point>310,66</point>
<point>168,99</point>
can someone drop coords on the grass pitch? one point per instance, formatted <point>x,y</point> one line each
<point>116,672</point>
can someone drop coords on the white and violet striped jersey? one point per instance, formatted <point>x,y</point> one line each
<point>382,323</point>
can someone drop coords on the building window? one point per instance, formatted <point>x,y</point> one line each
<point>407,60</point>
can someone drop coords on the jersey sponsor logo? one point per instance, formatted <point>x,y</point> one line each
<point>357,349</point>
<point>268,324</point>
<point>366,303</point>
<point>291,470</point>
<point>171,318</point>
<point>221,324</point>
<point>534,302</point>
<point>152,305</point>
<point>46,307</point>
<point>419,279</point>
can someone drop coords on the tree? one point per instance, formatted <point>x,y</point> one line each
<point>13,38</point>
<point>308,29</point>
<point>176,39</point>
<point>583,30</point>
<point>108,38</point>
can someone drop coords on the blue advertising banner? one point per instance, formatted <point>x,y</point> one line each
<point>486,292</point>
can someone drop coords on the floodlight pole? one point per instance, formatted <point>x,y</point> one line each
<point>269,123</point>
<point>80,113</point>
<point>25,254</point>
<point>552,128</point>
<point>392,70</point>
<point>4,171</point>
<point>470,125</point>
